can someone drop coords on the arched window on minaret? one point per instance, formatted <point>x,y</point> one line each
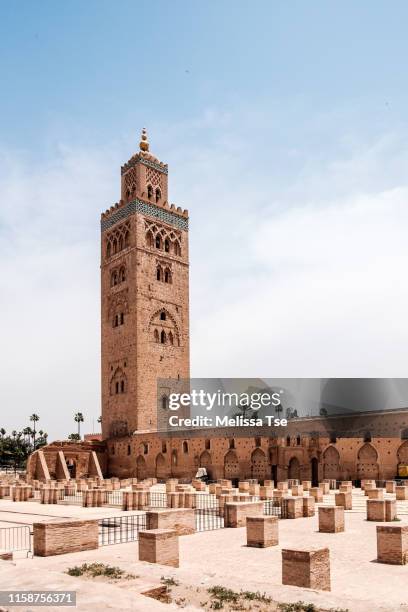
<point>149,192</point>
<point>114,278</point>
<point>163,337</point>
<point>162,315</point>
<point>158,194</point>
<point>167,276</point>
<point>156,335</point>
<point>149,239</point>
<point>122,274</point>
<point>158,242</point>
<point>170,338</point>
<point>167,245</point>
<point>158,273</point>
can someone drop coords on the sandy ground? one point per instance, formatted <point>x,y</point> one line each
<point>220,557</point>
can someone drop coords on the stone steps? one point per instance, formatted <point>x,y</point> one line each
<point>360,502</point>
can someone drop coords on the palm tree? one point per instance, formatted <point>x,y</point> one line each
<point>79,418</point>
<point>34,418</point>
<point>27,432</point>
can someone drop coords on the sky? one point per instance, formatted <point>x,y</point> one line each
<point>285,127</point>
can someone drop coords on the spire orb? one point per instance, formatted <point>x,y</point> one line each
<point>144,143</point>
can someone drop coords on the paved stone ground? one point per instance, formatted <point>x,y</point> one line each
<point>220,557</point>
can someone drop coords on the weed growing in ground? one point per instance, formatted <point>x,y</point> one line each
<point>92,570</point>
<point>169,581</point>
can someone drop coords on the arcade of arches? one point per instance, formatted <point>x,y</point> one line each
<point>260,458</point>
<point>154,454</point>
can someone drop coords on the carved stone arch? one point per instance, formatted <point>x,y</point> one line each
<point>331,463</point>
<point>205,461</point>
<point>177,247</point>
<point>161,467</point>
<point>402,453</point>
<point>149,238</point>
<point>167,325</point>
<point>231,465</point>
<point>294,468</point>
<point>367,453</point>
<point>367,462</point>
<point>114,278</point>
<point>141,468</point>
<point>118,382</point>
<point>259,464</point>
<point>118,303</point>
<point>122,273</point>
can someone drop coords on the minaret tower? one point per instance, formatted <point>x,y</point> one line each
<point>144,296</point>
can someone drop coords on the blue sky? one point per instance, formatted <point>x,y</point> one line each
<point>286,132</point>
<point>87,71</point>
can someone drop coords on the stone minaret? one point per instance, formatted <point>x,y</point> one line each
<point>144,297</point>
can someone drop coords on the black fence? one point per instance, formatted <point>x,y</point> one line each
<point>207,519</point>
<point>158,499</point>
<point>114,498</point>
<point>121,529</point>
<point>205,501</point>
<point>75,499</point>
<point>276,507</point>
<point>15,538</point>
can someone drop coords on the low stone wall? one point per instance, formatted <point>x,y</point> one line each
<point>180,520</point>
<point>236,513</point>
<point>59,537</point>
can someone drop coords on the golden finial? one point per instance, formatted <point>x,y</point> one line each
<point>144,143</point>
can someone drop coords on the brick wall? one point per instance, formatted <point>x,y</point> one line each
<point>59,537</point>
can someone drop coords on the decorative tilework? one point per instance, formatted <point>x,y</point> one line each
<point>152,164</point>
<point>137,206</point>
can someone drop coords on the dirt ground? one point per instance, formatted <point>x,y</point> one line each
<point>218,558</point>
